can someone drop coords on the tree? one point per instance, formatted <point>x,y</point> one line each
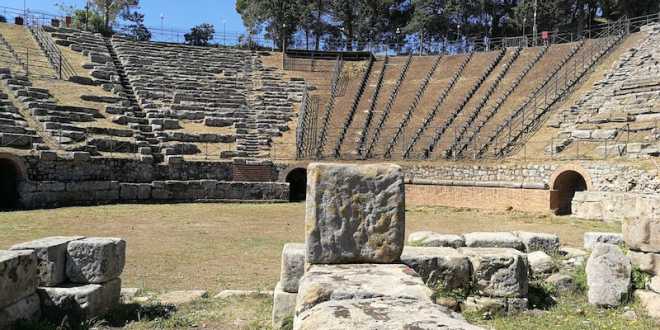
<point>136,29</point>
<point>200,35</point>
<point>3,19</point>
<point>110,10</point>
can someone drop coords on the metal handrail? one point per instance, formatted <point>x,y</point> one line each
<point>58,61</point>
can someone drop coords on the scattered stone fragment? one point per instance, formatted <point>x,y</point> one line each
<point>293,266</point>
<point>431,239</point>
<point>591,238</point>
<point>95,260</point>
<point>18,276</point>
<point>181,297</point>
<point>51,256</point>
<point>379,313</point>
<point>439,267</point>
<point>548,243</point>
<point>498,272</point>
<point>654,284</point>
<point>360,281</point>
<point>355,213</point>
<point>629,315</point>
<point>608,276</point>
<point>227,294</point>
<point>541,264</point>
<point>128,294</point>
<point>495,306</point>
<point>284,307</point>
<point>562,283</point>
<point>494,240</point>
<point>78,303</point>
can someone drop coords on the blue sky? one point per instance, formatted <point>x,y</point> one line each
<point>179,15</point>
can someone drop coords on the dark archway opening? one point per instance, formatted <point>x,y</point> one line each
<point>565,187</point>
<point>8,185</point>
<point>297,180</point>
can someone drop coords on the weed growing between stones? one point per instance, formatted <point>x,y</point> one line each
<point>640,280</point>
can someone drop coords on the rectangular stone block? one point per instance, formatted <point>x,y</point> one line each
<point>439,267</point>
<point>78,303</point>
<point>642,234</point>
<point>494,240</point>
<point>26,309</point>
<point>354,213</point>
<point>95,260</point>
<point>340,282</point>
<point>51,258</point>
<point>548,243</point>
<point>293,266</point>
<point>498,272</point>
<point>593,238</point>
<point>646,262</point>
<point>18,276</point>
<point>284,307</point>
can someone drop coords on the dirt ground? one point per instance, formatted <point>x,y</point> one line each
<point>238,246</point>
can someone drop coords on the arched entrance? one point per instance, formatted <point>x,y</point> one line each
<point>564,187</point>
<point>297,179</point>
<point>9,176</point>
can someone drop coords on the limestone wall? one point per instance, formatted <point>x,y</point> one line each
<point>614,206</point>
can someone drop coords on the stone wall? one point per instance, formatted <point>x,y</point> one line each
<point>615,206</point>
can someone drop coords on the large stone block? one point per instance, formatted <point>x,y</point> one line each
<point>429,238</point>
<point>26,309</point>
<point>293,266</point>
<point>548,243</point>
<point>79,303</point>
<point>95,260</point>
<point>51,256</point>
<point>646,262</point>
<point>439,267</point>
<point>593,238</point>
<point>340,282</point>
<point>642,234</point>
<point>541,264</point>
<point>498,272</point>
<point>379,313</point>
<point>284,307</point>
<point>494,240</point>
<point>650,301</point>
<point>608,276</point>
<point>18,276</point>
<point>354,213</point>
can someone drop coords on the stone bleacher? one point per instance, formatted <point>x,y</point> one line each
<point>14,129</point>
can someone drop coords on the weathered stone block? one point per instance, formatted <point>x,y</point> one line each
<point>26,309</point>
<point>95,260</point>
<point>341,282</point>
<point>541,264</point>
<point>79,303</point>
<point>18,276</point>
<point>439,267</point>
<point>494,240</point>
<point>495,306</point>
<point>429,238</point>
<point>293,266</point>
<point>563,283</point>
<point>379,313</point>
<point>51,256</point>
<point>642,234</point>
<point>354,213</point>
<point>498,272</point>
<point>646,262</point>
<point>548,243</point>
<point>608,276</point>
<point>650,301</point>
<point>592,238</point>
<point>284,307</point>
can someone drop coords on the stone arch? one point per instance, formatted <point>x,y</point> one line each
<point>297,179</point>
<point>565,182</point>
<point>12,172</point>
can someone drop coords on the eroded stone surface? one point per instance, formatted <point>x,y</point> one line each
<point>498,272</point>
<point>540,263</point>
<point>293,266</point>
<point>354,213</point>
<point>650,301</point>
<point>592,238</point>
<point>284,307</point>
<point>18,276</point>
<point>646,262</point>
<point>439,267</point>
<point>360,281</point>
<point>51,256</point>
<point>495,306</point>
<point>78,303</point>
<point>548,243</point>
<point>26,309</point>
<point>384,313</point>
<point>431,239</point>
<point>563,283</point>
<point>642,234</point>
<point>494,240</point>
<point>608,275</point>
<point>95,260</point>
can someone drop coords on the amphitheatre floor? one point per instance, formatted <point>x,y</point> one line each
<point>238,246</point>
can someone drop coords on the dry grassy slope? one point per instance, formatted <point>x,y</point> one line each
<point>20,38</point>
<point>537,143</point>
